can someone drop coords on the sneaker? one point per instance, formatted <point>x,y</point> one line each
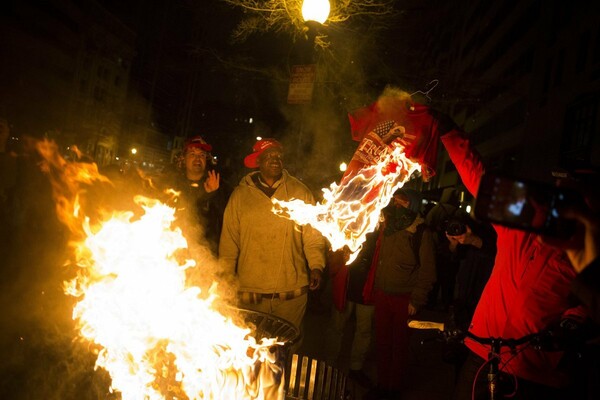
<point>359,376</point>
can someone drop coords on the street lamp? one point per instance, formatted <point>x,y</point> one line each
<point>315,10</point>
<point>314,13</point>
<point>134,151</point>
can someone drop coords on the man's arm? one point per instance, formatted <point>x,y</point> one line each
<point>314,247</point>
<point>586,287</point>
<point>314,251</point>
<point>466,159</point>
<point>427,275</point>
<point>229,244</point>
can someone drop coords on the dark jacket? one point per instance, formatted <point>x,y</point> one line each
<point>587,289</point>
<point>200,214</point>
<point>398,270</point>
<point>475,268</point>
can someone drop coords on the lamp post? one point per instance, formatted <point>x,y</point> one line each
<point>302,79</point>
<point>314,13</point>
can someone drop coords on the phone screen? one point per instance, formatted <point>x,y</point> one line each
<point>522,204</point>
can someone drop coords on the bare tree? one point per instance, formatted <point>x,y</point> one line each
<point>285,16</point>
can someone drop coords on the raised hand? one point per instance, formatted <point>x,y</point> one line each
<point>212,181</point>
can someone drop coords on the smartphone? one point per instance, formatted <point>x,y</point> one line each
<point>524,204</point>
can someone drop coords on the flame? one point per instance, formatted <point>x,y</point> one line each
<point>156,336</point>
<point>352,209</point>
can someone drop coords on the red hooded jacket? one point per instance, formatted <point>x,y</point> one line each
<point>528,288</point>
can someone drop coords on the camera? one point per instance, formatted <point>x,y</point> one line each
<point>525,205</point>
<point>455,228</point>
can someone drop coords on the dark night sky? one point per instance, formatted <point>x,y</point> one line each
<point>199,80</point>
<point>171,33</point>
<point>179,37</point>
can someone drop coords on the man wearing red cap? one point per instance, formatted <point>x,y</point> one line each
<point>274,260</point>
<point>200,191</point>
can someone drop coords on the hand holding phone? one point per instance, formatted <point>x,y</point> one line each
<point>525,205</point>
<point>582,249</point>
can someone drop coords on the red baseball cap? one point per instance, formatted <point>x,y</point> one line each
<point>251,160</point>
<point>197,142</point>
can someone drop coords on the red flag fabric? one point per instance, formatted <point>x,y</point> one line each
<point>420,138</point>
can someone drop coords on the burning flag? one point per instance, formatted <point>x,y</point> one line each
<point>156,336</point>
<point>397,138</point>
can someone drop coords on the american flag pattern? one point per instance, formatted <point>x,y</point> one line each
<point>383,128</point>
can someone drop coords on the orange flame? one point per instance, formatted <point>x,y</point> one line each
<point>156,336</point>
<point>351,210</point>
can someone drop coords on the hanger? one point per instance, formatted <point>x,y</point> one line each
<point>434,82</point>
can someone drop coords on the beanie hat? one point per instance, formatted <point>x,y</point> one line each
<point>251,160</point>
<point>414,198</point>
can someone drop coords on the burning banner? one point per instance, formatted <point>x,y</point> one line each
<point>397,138</point>
<point>156,336</point>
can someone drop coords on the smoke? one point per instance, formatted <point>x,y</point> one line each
<point>317,136</point>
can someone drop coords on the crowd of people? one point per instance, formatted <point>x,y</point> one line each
<point>495,281</point>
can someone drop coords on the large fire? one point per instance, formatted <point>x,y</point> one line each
<point>157,336</point>
<point>352,209</point>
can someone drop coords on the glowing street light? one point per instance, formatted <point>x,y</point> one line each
<point>315,10</point>
<point>343,167</point>
<point>134,151</point>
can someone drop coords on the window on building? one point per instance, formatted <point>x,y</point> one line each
<point>579,132</point>
<point>597,48</point>
<point>546,81</point>
<point>560,64</point>
<point>596,57</point>
<point>502,122</point>
<point>582,51</point>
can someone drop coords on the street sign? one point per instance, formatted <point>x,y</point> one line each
<point>302,80</point>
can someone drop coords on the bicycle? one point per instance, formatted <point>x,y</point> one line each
<point>539,341</point>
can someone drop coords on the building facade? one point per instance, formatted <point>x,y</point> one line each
<point>64,73</point>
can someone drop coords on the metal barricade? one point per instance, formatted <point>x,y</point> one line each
<point>310,379</point>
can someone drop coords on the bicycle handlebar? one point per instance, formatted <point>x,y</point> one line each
<point>537,339</point>
<point>510,342</point>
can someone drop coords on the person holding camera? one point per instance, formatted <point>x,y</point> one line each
<point>473,246</point>
<point>442,294</point>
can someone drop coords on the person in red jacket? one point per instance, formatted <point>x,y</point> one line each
<point>528,291</point>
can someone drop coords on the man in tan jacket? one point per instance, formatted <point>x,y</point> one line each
<point>274,260</point>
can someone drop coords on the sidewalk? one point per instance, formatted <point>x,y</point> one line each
<point>431,378</point>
